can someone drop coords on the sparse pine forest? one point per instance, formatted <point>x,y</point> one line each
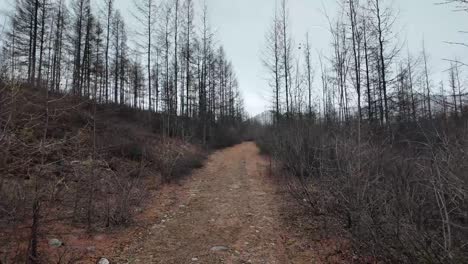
<point>91,109</point>
<point>374,141</point>
<point>119,123</point>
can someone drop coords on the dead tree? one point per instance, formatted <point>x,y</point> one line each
<point>309,74</point>
<point>356,47</point>
<point>109,15</point>
<point>176,52</point>
<point>426,80</point>
<point>271,61</point>
<point>117,27</point>
<point>189,10</point>
<point>286,44</point>
<point>146,14</point>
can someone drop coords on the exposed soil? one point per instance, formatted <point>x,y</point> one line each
<point>230,211</point>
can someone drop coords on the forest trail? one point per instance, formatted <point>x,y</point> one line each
<point>227,212</point>
<point>230,211</point>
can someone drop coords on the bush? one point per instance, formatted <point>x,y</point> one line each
<point>175,162</point>
<point>225,136</point>
<point>402,200</point>
<point>186,163</point>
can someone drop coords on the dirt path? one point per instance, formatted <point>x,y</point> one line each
<point>227,212</point>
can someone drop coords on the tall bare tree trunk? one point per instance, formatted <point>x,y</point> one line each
<point>369,96</point>
<point>285,54</point>
<point>356,54</point>
<point>41,48</point>
<point>383,67</point>
<point>34,43</point>
<point>426,79</point>
<point>109,16</point>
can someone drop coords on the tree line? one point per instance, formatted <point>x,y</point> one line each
<point>169,63</point>
<point>88,104</point>
<point>370,74</point>
<point>375,147</point>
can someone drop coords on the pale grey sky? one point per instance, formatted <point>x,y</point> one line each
<point>241,25</point>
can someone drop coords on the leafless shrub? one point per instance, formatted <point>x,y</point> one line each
<point>82,168</point>
<point>401,200</point>
<point>12,252</point>
<point>175,162</point>
<point>128,193</point>
<point>107,196</point>
<point>225,136</point>
<point>12,198</point>
<point>65,255</point>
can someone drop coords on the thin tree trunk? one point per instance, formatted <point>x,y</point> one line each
<point>382,62</point>
<point>426,76</point>
<point>34,43</point>
<point>369,97</point>
<point>109,15</point>
<point>41,48</point>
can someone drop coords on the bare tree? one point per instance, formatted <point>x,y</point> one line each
<point>189,10</point>
<point>356,47</point>
<point>44,6</point>
<point>109,5</point>
<point>383,22</point>
<point>80,10</point>
<point>176,52</point>
<point>146,15</point>
<point>453,85</point>
<point>205,49</point>
<point>426,79</point>
<point>117,26</point>
<point>309,73</point>
<point>459,84</point>
<point>33,47</point>
<point>286,45</point>
<point>271,60</point>
<point>57,59</point>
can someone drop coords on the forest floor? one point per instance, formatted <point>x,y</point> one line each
<point>230,211</point>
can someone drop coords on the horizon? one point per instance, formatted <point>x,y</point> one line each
<point>240,27</point>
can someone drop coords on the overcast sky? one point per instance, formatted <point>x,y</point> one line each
<point>240,25</point>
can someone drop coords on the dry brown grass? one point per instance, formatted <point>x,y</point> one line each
<point>75,183</point>
<point>403,198</point>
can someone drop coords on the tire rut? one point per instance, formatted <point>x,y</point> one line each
<point>228,214</point>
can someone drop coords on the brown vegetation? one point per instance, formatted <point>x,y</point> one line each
<point>56,178</point>
<point>403,198</point>
<point>87,128</point>
<point>382,151</point>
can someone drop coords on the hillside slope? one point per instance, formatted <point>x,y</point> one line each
<point>67,164</point>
